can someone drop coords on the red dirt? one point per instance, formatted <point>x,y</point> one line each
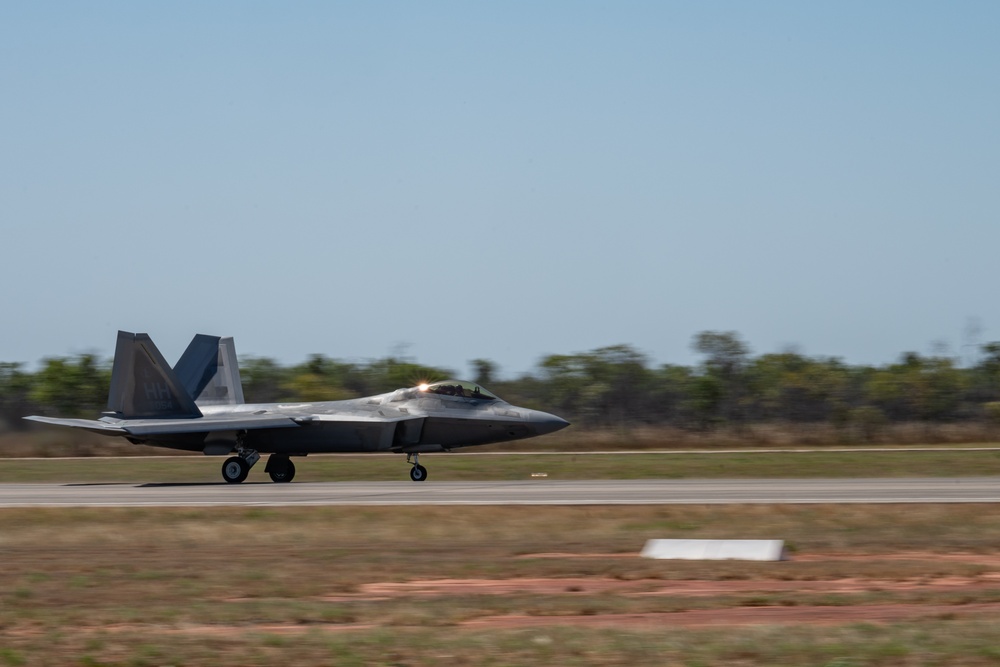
<point>642,587</point>
<point>737,615</point>
<point>890,613</point>
<point>743,612</point>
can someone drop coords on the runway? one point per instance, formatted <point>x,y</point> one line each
<point>533,492</point>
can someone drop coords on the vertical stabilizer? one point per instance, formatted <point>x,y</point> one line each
<point>143,386</point>
<point>198,364</point>
<point>209,371</point>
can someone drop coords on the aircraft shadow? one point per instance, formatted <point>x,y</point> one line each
<point>153,485</point>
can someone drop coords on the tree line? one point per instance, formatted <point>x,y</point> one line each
<point>615,386</point>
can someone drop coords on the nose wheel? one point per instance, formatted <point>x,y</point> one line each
<point>418,473</point>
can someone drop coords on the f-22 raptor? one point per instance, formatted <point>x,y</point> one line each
<point>198,406</point>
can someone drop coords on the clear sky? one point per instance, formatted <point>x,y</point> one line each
<point>460,180</point>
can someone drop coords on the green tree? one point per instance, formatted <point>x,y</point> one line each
<point>72,387</point>
<point>485,370</point>
<point>264,381</point>
<point>724,371</point>
<point>319,379</point>
<point>985,380</point>
<point>15,388</point>
<point>671,396</point>
<point>607,386</point>
<point>917,388</point>
<point>791,387</point>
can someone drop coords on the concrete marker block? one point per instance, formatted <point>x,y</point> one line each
<point>764,550</point>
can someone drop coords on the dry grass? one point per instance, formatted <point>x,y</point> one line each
<point>772,434</point>
<point>50,442</point>
<point>47,441</point>
<point>517,466</point>
<point>254,586</point>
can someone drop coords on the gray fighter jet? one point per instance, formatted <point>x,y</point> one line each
<point>198,406</point>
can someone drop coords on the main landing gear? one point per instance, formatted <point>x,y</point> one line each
<point>280,468</point>
<point>236,468</point>
<point>418,473</point>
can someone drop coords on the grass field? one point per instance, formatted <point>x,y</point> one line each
<point>413,586</point>
<point>492,586</point>
<point>469,467</point>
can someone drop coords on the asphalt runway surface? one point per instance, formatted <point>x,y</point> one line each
<point>529,492</point>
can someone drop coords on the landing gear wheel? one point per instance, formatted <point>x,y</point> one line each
<point>235,470</point>
<point>283,471</point>
<point>418,473</point>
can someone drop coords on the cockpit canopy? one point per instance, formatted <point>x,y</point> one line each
<point>458,388</point>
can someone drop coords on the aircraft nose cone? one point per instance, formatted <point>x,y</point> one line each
<point>544,423</point>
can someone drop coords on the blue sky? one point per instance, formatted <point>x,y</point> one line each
<point>502,180</point>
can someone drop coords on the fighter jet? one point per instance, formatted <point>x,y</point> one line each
<point>198,406</point>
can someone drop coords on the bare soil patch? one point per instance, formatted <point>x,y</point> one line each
<point>687,588</point>
<point>890,613</point>
<point>743,612</point>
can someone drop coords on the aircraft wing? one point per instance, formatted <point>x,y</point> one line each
<point>89,424</point>
<point>224,422</point>
<point>244,422</point>
<point>147,427</point>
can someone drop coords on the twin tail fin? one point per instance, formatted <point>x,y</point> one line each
<point>209,372</point>
<point>143,386</point>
